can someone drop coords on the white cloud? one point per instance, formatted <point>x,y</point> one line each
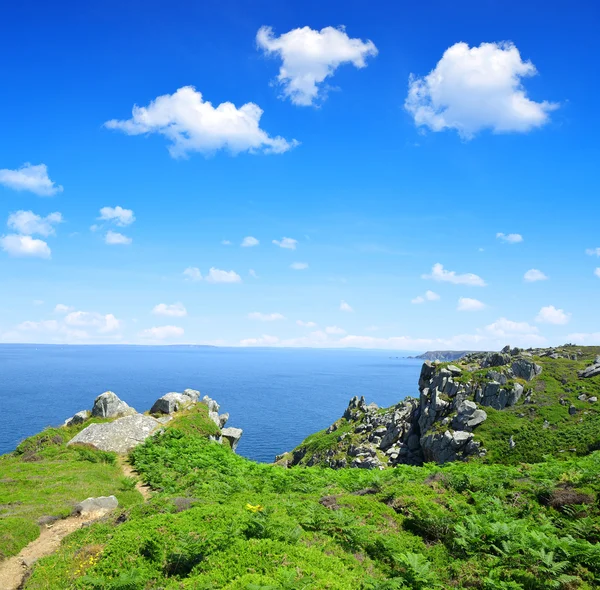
<point>102,323</point>
<point>438,273</point>
<point>299,265</point>
<point>533,275</point>
<point>287,243</point>
<point>192,273</point>
<point>345,306</point>
<point>310,56</point>
<point>265,317</point>
<point>114,238</point>
<point>472,89</point>
<point>552,315</point>
<point>162,332</point>
<point>504,327</point>
<point>334,330</point>
<point>593,251</point>
<point>467,304</point>
<point>216,275</point>
<point>249,241</point>
<point>27,222</point>
<point>582,338</point>
<point>117,215</point>
<point>306,324</point>
<point>192,124</point>
<point>264,340</point>
<point>176,310</point>
<point>30,178</point>
<point>44,325</point>
<point>25,246</point>
<point>510,238</point>
<point>597,272</point>
<point>252,273</point>
<point>61,308</point>
<point>429,296</point>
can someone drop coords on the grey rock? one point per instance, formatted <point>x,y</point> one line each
<point>211,404</point>
<point>525,369</point>
<point>593,399</point>
<point>78,418</point>
<point>101,504</point>
<point>511,443</point>
<point>193,394</point>
<point>233,435</point>
<point>506,349</point>
<point>572,410</point>
<point>108,405</point>
<point>171,402</point>
<point>223,419</point>
<point>591,371</point>
<point>214,416</point>
<point>456,371</point>
<point>119,436</point>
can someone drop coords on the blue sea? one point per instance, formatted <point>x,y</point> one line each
<point>278,396</point>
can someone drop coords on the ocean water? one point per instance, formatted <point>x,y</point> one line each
<point>278,396</point>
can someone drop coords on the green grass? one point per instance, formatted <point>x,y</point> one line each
<point>194,421</point>
<point>44,477</point>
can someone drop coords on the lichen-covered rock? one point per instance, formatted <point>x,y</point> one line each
<point>171,402</point>
<point>119,436</point>
<point>78,418</point>
<point>232,435</point>
<point>96,506</point>
<point>108,405</point>
<point>525,369</point>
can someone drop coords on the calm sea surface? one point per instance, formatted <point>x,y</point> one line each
<point>278,396</point>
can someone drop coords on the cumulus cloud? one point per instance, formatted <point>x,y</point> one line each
<point>345,306</point>
<point>299,265</point>
<point>176,310</point>
<point>306,324</point>
<point>192,273</point>
<point>216,275</point>
<point>287,243</point>
<point>25,246</point>
<point>510,238</point>
<point>265,317</point>
<point>309,57</point>
<point>552,315</point>
<point>61,308</point>
<point>597,272</point>
<point>249,241</point>
<point>192,124</point>
<point>438,273</point>
<point>117,215</point>
<point>114,238</point>
<point>428,296</point>
<point>334,330</point>
<point>91,319</point>
<point>505,327</point>
<point>27,222</point>
<point>30,178</point>
<point>477,88</point>
<point>593,251</point>
<point>590,338</point>
<point>162,332</point>
<point>533,275</point>
<point>468,304</point>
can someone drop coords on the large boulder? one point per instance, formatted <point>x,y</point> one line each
<point>108,405</point>
<point>592,371</point>
<point>171,402</point>
<point>525,369</point>
<point>78,418</point>
<point>232,435</point>
<point>96,506</point>
<point>119,436</point>
<point>468,416</point>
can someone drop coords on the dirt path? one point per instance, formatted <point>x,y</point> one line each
<point>14,571</point>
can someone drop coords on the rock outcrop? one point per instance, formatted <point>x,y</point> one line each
<point>96,506</point>
<point>172,402</point>
<point>108,405</point>
<point>78,418</point>
<point>592,371</point>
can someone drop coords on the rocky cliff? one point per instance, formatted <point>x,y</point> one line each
<point>525,390</point>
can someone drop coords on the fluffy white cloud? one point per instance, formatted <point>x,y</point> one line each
<point>61,308</point>
<point>192,273</point>
<point>503,327</point>
<point>533,275</point>
<point>299,265</point>
<point>27,222</point>
<point>476,88</point>
<point>597,272</point>
<point>91,319</point>
<point>345,306</point>
<point>468,304</point>
<point>176,310</point>
<point>117,215</point>
<point>25,246</point>
<point>552,315</point>
<point>593,251</point>
<point>288,243</point>
<point>249,241</point>
<point>309,57</point>
<point>438,273</point>
<point>334,330</point>
<point>216,275</point>
<point>30,178</point>
<point>306,324</point>
<point>162,332</point>
<point>114,238</point>
<point>265,317</point>
<point>590,339</point>
<point>192,124</point>
<point>428,296</point>
<point>510,238</point>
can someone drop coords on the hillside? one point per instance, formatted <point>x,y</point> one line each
<point>521,515</point>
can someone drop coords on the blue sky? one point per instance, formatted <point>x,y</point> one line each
<point>419,159</point>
